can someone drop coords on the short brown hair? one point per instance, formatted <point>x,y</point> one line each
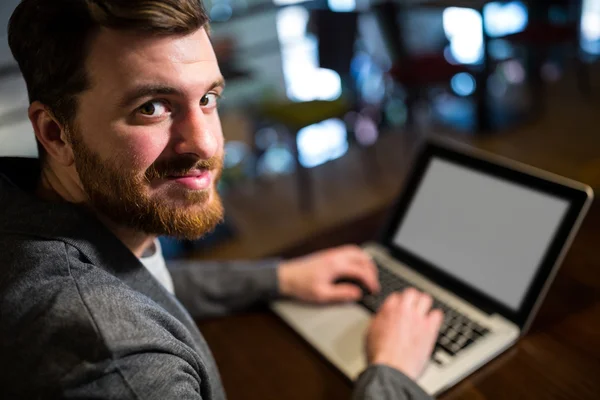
<point>50,40</point>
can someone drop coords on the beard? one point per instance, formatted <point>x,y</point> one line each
<point>123,196</point>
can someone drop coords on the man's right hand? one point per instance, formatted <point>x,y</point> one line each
<point>403,332</point>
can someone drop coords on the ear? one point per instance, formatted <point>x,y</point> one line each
<point>51,134</point>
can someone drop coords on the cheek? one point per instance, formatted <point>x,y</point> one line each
<point>138,152</point>
<point>217,131</point>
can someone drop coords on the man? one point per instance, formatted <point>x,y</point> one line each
<point>123,105</point>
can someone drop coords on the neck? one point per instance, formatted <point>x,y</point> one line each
<point>137,242</point>
<point>51,187</point>
<point>54,188</point>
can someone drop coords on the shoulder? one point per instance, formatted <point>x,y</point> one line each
<point>31,267</point>
<point>63,318</point>
<point>27,249</point>
<point>45,330</point>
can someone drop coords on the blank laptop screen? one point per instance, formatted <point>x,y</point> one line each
<point>485,231</point>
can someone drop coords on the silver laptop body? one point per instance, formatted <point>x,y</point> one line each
<point>483,235</point>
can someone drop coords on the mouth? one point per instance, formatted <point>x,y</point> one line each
<point>193,180</point>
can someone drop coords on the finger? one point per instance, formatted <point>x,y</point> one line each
<point>375,273</point>
<point>424,303</point>
<point>343,292</point>
<point>391,303</point>
<point>435,318</point>
<point>409,298</point>
<point>434,322</point>
<point>432,325</point>
<point>365,275</point>
<point>355,253</point>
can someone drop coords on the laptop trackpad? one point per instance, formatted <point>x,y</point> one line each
<point>338,331</point>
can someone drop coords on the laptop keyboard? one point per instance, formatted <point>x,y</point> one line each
<point>457,331</point>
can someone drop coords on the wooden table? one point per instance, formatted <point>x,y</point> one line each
<point>262,358</point>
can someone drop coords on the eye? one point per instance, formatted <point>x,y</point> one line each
<point>209,100</point>
<point>153,108</point>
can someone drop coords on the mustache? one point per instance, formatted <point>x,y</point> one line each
<point>181,165</point>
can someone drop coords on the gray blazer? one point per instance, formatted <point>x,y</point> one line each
<point>80,317</point>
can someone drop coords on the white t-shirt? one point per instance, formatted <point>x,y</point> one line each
<point>155,263</point>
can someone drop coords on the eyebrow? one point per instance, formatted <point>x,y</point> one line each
<point>152,90</point>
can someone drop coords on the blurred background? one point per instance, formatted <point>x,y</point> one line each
<point>326,101</point>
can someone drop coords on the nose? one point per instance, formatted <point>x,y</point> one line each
<point>195,135</point>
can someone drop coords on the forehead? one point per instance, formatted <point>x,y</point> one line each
<point>118,60</point>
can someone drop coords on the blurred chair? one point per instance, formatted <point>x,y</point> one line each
<point>415,72</point>
<point>541,35</point>
<point>420,72</point>
<point>296,116</point>
<point>336,34</point>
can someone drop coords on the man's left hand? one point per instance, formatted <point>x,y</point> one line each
<point>313,278</point>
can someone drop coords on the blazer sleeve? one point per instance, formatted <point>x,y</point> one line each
<point>210,289</point>
<point>380,382</point>
<point>147,375</point>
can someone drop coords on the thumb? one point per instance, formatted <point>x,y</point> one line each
<point>344,292</point>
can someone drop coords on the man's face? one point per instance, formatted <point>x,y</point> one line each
<point>147,138</point>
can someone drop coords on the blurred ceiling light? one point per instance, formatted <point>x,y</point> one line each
<point>463,84</point>
<point>291,24</point>
<point>590,20</point>
<point>288,2</point>
<point>592,48</point>
<point>504,19</point>
<point>265,138</point>
<point>369,78</point>
<point>322,142</point>
<point>235,152</point>
<point>365,130</point>
<point>373,88</point>
<point>305,81</point>
<point>449,56</point>
<point>590,27</point>
<point>342,5</point>
<point>459,22</point>
<point>221,12</point>
<point>466,51</point>
<point>463,28</point>
<point>514,72</point>
<point>500,49</point>
<point>313,84</point>
<point>328,83</point>
<point>277,160</point>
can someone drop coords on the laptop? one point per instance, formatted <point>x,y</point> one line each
<point>483,235</point>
